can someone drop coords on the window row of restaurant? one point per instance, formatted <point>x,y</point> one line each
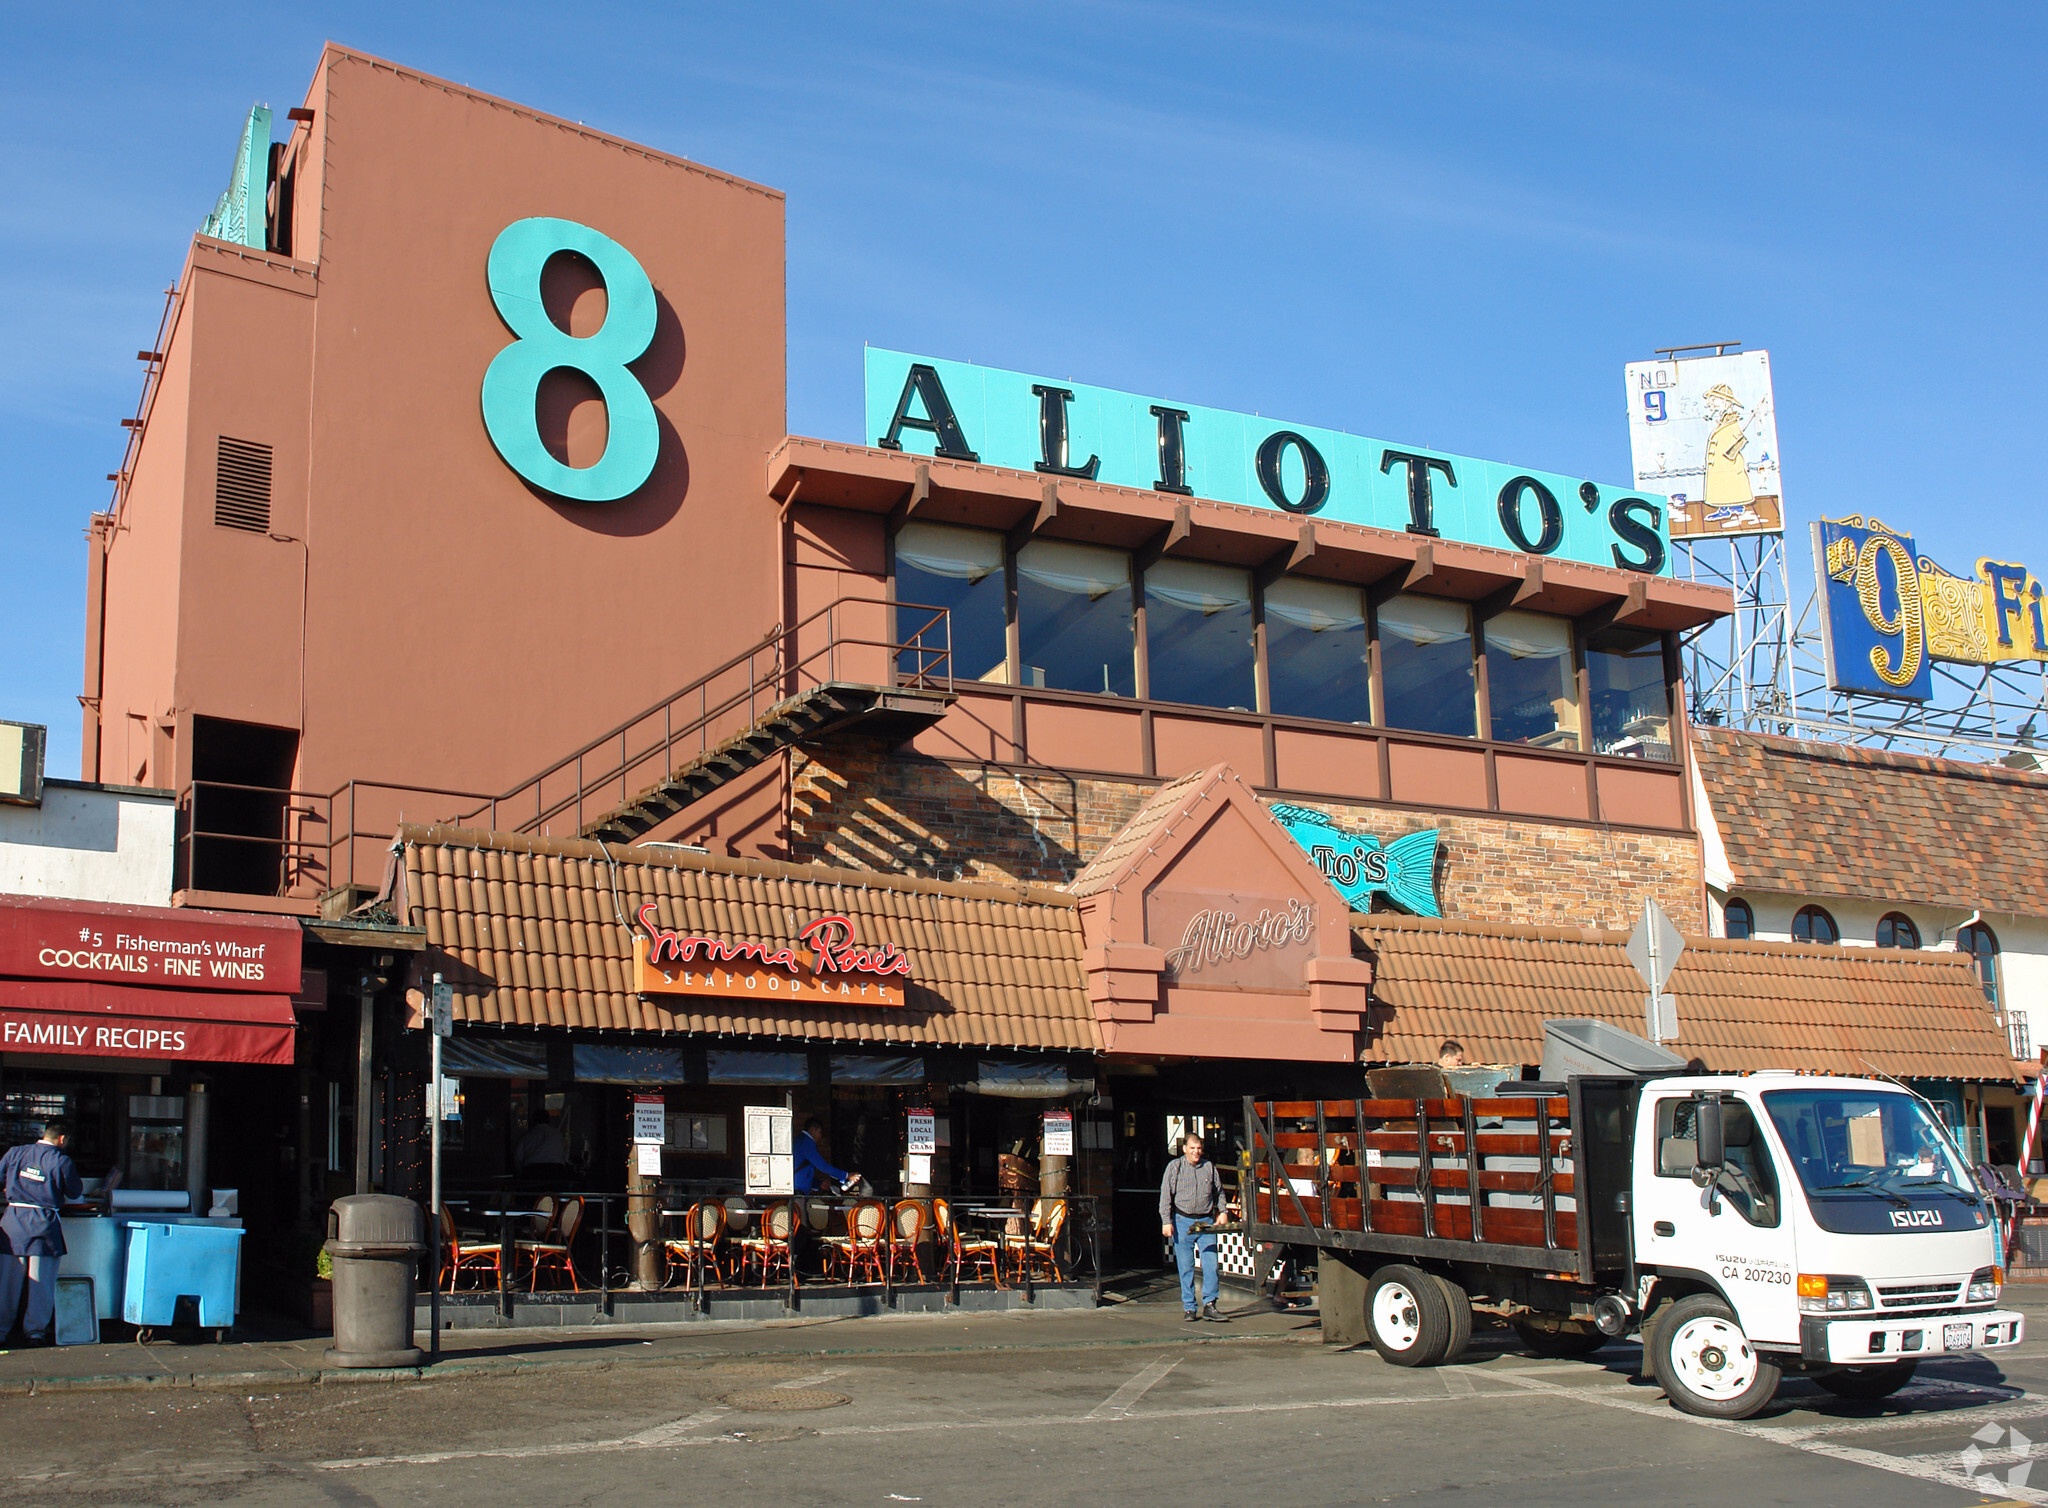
<point>1064,616</point>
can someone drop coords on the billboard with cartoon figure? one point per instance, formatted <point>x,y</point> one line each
<point>1704,431</point>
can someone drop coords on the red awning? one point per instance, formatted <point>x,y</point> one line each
<point>75,1019</point>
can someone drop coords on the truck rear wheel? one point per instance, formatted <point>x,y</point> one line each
<point>1407,1316</point>
<point>1458,1308</point>
<point>1866,1383</point>
<point>1559,1337</point>
<point>1706,1363</point>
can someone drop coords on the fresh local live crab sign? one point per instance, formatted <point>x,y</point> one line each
<point>834,965</point>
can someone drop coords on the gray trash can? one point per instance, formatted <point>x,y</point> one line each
<point>375,1242</point>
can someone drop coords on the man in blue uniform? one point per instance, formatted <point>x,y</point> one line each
<point>810,1163</point>
<point>36,1178</point>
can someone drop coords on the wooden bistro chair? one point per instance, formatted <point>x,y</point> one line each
<point>906,1235</point>
<point>700,1246</point>
<point>459,1256</point>
<point>865,1246</point>
<point>961,1250</point>
<point>768,1246</point>
<point>551,1247</point>
<point>1039,1253</point>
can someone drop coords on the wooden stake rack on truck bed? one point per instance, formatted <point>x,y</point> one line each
<point>1490,1181</point>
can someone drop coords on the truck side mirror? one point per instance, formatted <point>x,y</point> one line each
<point>1707,1134</point>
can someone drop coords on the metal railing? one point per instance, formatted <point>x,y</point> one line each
<point>312,841</point>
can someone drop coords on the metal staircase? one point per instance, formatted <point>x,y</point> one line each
<point>861,672</point>
<point>835,707</point>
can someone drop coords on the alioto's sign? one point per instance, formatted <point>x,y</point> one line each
<point>836,966</point>
<point>1404,871</point>
<point>971,413</point>
<point>1887,611</point>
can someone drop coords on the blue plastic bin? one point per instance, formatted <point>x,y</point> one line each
<point>169,1262</point>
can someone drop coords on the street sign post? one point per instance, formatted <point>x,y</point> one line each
<point>1653,948</point>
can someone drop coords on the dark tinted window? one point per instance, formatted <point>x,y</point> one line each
<point>1981,943</point>
<point>1631,714</point>
<point>1741,921</point>
<point>1198,634</point>
<point>1316,651</point>
<point>1532,682</point>
<point>1074,620</point>
<point>960,570</point>
<point>1812,924</point>
<point>1426,666</point>
<point>1896,931</point>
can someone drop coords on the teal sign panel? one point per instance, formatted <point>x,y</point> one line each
<point>1404,871</point>
<point>925,406</point>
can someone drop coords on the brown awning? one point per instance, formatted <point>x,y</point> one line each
<point>1741,1005</point>
<point>535,932</point>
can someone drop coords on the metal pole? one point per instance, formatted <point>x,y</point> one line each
<point>365,1088</point>
<point>434,1111</point>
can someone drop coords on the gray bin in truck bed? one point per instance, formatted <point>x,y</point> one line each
<point>1592,1047</point>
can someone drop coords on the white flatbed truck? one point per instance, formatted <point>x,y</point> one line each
<point>1746,1226</point>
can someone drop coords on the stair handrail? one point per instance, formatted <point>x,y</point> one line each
<point>779,676</point>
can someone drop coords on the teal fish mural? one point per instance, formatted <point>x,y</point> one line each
<point>1404,871</point>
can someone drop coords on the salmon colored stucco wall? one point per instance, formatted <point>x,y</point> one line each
<point>460,629</point>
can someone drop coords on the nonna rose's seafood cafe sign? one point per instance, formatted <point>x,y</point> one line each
<point>829,963</point>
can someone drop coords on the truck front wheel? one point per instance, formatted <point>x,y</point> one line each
<point>1407,1317</point>
<point>1707,1364</point>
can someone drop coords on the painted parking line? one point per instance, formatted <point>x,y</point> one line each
<point>1119,1403</point>
<point>1943,1468</point>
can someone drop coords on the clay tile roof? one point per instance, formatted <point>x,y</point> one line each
<point>1137,834</point>
<point>1741,1005</point>
<point>1828,819</point>
<point>530,933</point>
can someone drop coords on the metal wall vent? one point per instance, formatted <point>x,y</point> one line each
<point>241,486</point>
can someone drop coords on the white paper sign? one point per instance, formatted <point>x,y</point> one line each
<point>647,1156</point>
<point>922,1133</point>
<point>771,1167</point>
<point>1059,1133</point>
<point>650,1119</point>
<point>920,1169</point>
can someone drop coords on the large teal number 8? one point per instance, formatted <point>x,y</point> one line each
<point>512,381</point>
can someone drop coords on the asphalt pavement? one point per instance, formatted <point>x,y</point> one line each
<point>1123,1404</point>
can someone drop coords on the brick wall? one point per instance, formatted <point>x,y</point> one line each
<point>857,804</point>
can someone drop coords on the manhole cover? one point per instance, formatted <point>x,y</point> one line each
<point>782,1400</point>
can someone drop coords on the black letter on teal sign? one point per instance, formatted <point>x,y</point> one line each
<point>1315,472</point>
<point>1635,520</point>
<point>1546,505</point>
<point>1173,456</point>
<point>923,383</point>
<point>1421,506</point>
<point>1052,435</point>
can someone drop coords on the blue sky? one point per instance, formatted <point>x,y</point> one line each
<point>1449,225</point>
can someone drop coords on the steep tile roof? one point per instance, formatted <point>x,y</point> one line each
<point>1741,1005</point>
<point>1827,819</point>
<point>1137,833</point>
<point>531,932</point>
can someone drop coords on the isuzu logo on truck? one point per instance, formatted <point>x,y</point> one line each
<point>1905,1219</point>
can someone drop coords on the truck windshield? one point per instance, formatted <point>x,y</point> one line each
<point>1857,1151</point>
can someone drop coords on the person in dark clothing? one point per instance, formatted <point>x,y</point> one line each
<point>36,1179</point>
<point>809,1163</point>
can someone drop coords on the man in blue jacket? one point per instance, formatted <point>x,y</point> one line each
<point>809,1164</point>
<point>36,1178</point>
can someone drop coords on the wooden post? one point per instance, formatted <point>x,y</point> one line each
<point>643,1216</point>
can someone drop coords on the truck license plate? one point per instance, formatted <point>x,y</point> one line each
<point>1955,1337</point>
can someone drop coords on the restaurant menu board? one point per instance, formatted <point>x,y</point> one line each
<point>922,1133</point>
<point>771,1160</point>
<point>650,1119</point>
<point>1059,1133</point>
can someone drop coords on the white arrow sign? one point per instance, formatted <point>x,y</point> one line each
<point>1653,948</point>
